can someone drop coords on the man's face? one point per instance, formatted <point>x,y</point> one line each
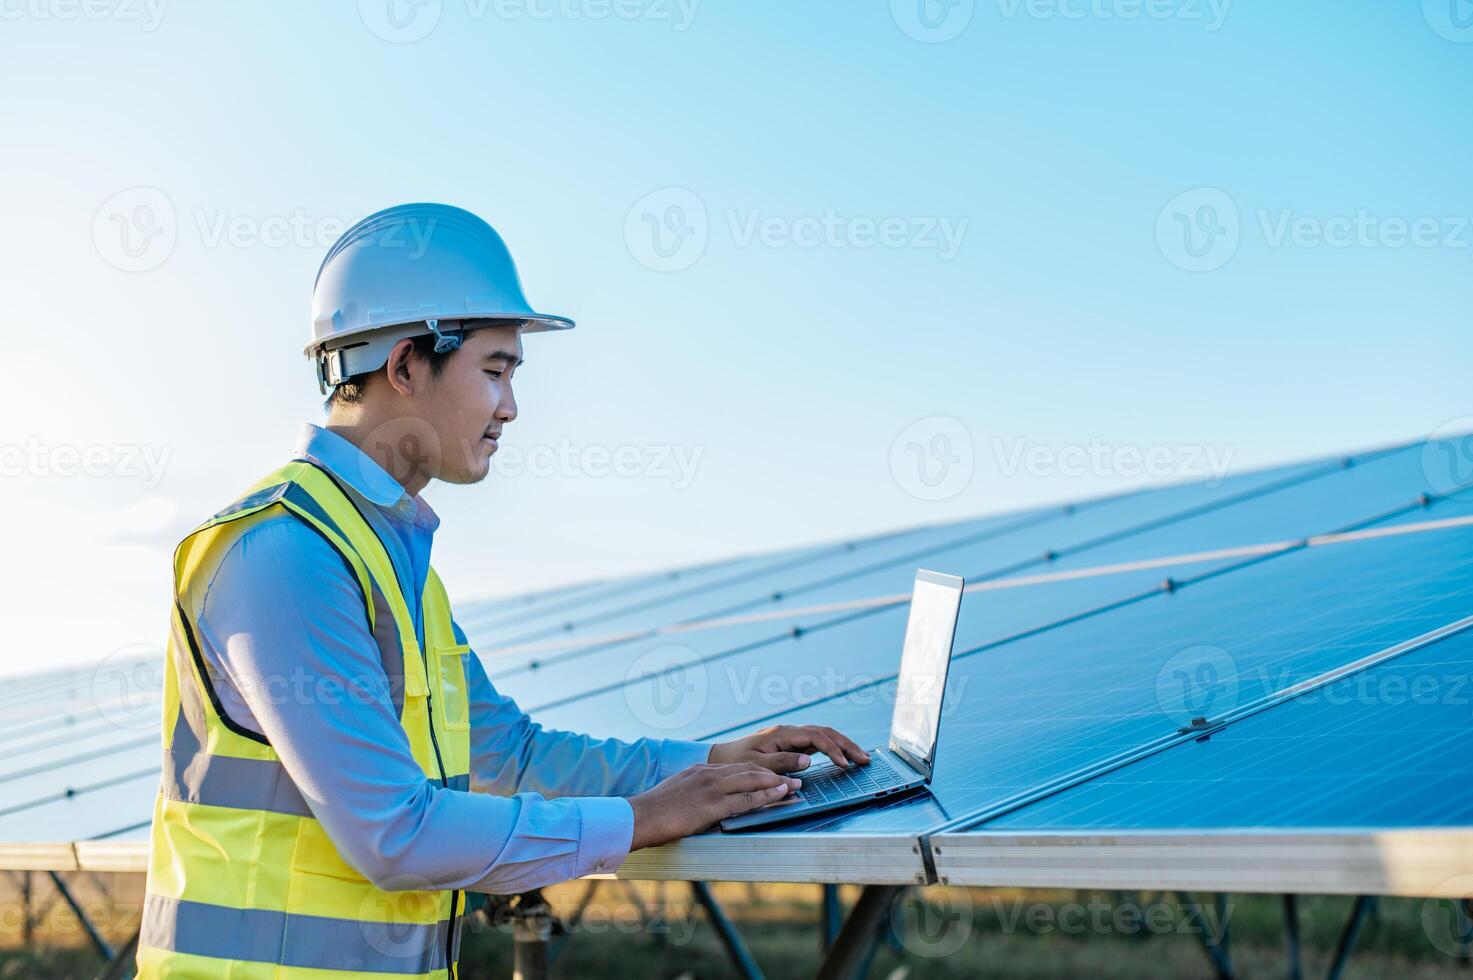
<point>469,403</point>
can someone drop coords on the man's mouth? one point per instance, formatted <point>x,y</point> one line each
<point>491,436</point>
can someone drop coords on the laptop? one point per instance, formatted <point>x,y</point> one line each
<point>905,764</point>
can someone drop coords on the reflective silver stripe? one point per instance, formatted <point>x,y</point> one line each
<point>222,780</point>
<point>293,940</point>
<point>245,784</point>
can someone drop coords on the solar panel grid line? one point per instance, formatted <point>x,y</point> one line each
<point>1353,532</point>
<point>1167,586</point>
<point>599,647</point>
<point>1014,582</point>
<point>613,589</point>
<point>983,648</point>
<point>783,558</point>
<point>72,732</point>
<point>1300,475</point>
<point>1183,735</point>
<point>906,559</point>
<point>1409,613</point>
<point>74,791</point>
<point>997,572</point>
<point>68,686</point>
<point>93,753</point>
<point>973,537</point>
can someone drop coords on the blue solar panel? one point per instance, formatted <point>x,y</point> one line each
<point>1036,709</point>
<point>1173,521</point>
<point>1387,747</point>
<point>861,642</point>
<point>1052,675</point>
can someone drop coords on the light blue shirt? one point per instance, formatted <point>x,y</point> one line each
<point>282,630</point>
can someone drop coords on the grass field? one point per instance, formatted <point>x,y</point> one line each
<point>649,930</point>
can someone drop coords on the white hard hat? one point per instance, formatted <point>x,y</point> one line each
<point>407,271</point>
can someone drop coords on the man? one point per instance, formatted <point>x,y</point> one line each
<point>338,769</point>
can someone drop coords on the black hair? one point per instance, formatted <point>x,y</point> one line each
<point>351,391</point>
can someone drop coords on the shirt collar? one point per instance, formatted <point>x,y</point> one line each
<point>359,471</point>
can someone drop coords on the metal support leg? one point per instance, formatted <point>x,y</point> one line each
<point>855,944</point>
<point>121,966</point>
<point>28,925</point>
<point>87,926</point>
<point>741,957</point>
<point>572,922</point>
<point>531,931</point>
<point>832,917</point>
<point>1214,945</point>
<point>1291,935</point>
<point>1358,912</point>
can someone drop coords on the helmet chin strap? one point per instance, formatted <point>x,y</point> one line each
<point>444,342</point>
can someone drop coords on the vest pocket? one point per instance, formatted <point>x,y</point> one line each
<point>316,854</point>
<point>451,701</point>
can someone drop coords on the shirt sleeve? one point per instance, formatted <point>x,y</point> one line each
<point>511,753</point>
<point>286,620</point>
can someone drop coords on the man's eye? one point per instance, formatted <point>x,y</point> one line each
<point>494,374</point>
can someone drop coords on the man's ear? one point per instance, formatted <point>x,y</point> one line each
<point>398,367</point>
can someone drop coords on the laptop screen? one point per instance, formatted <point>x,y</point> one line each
<point>923,663</point>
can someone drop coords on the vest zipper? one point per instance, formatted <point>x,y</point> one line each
<point>445,784</point>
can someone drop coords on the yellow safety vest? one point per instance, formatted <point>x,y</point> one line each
<point>243,882</point>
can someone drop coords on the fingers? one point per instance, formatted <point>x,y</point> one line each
<point>749,790</point>
<point>850,747</point>
<point>756,778</point>
<point>786,761</point>
<point>815,737</point>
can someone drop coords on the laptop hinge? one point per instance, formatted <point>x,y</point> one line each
<point>911,760</point>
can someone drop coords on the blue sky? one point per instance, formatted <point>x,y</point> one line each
<point>837,267</point>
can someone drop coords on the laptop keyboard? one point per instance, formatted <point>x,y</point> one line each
<point>828,782</point>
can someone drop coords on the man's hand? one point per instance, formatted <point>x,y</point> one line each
<point>783,748</point>
<point>697,798</point>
